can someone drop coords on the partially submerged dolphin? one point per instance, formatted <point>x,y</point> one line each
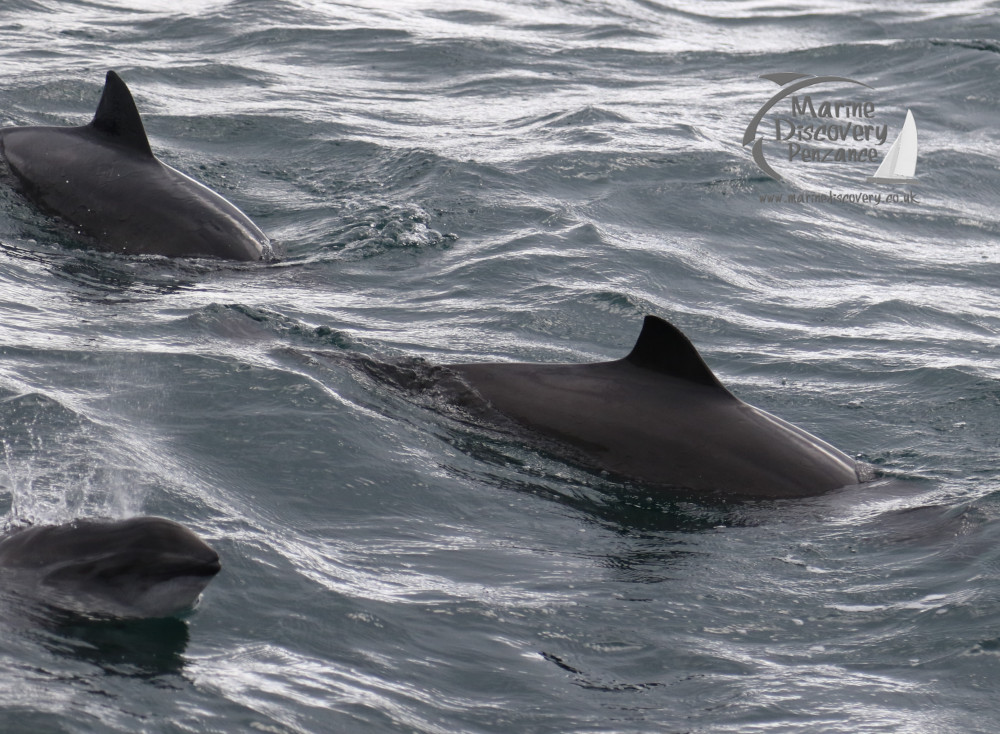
<point>104,180</point>
<point>661,417</point>
<point>143,567</point>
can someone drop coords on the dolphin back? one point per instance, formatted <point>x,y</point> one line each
<point>103,179</point>
<point>660,416</point>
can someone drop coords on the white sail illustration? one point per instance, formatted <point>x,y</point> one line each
<point>900,162</point>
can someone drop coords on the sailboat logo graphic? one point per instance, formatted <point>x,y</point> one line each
<point>900,163</point>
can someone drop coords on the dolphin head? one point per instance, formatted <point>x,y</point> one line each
<point>140,567</point>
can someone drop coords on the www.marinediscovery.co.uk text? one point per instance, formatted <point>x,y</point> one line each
<point>830,197</point>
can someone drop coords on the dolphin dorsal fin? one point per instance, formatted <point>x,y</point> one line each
<point>118,118</point>
<point>661,346</point>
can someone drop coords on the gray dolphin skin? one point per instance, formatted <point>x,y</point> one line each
<point>143,567</point>
<point>103,179</point>
<point>659,416</point>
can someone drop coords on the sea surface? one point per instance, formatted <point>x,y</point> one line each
<point>520,180</point>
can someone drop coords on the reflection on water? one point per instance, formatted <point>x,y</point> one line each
<point>149,648</point>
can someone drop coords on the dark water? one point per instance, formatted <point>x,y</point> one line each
<point>524,181</point>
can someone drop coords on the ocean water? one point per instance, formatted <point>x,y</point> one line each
<point>523,181</point>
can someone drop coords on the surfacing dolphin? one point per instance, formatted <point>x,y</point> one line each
<point>103,179</point>
<point>143,567</point>
<point>661,417</point>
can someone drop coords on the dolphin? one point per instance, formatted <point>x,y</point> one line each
<point>661,417</point>
<point>143,567</point>
<point>103,179</point>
